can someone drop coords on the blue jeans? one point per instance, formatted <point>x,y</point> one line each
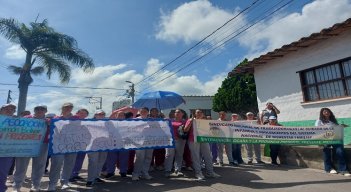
<point>340,156</point>
<point>6,163</point>
<point>236,150</point>
<point>274,152</point>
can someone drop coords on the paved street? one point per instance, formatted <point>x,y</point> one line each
<point>244,178</point>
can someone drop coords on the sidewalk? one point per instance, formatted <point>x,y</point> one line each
<point>239,179</point>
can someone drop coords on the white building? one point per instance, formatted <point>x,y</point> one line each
<point>302,77</point>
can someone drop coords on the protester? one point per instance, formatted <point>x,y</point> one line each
<point>38,163</point>
<point>96,160</point>
<point>274,148</point>
<point>66,161</point>
<point>176,154</point>
<point>327,117</point>
<point>6,162</point>
<point>236,148</point>
<point>116,157</point>
<point>81,114</point>
<point>143,156</point>
<point>158,157</point>
<point>48,116</point>
<point>198,149</point>
<point>250,148</point>
<point>270,110</point>
<point>227,146</point>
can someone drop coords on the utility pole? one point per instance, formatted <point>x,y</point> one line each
<point>9,99</point>
<point>131,91</point>
<point>94,100</point>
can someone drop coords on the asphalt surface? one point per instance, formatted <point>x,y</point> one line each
<point>239,179</point>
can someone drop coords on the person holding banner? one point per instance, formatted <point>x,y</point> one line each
<point>274,148</point>
<point>250,148</point>
<point>227,146</point>
<point>176,154</point>
<point>327,117</point>
<point>158,157</point>
<point>236,148</point>
<point>6,162</point>
<point>81,114</point>
<point>38,163</point>
<point>96,160</point>
<point>66,161</point>
<point>143,156</point>
<point>199,149</point>
<point>114,156</point>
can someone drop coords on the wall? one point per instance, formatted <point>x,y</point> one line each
<point>278,82</point>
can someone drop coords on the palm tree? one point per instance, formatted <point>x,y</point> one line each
<point>46,51</point>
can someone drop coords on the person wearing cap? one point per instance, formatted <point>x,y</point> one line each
<point>227,146</point>
<point>143,156</point>
<point>236,148</point>
<point>250,148</point>
<point>6,162</point>
<point>38,163</point>
<point>96,160</point>
<point>270,110</point>
<point>81,114</point>
<point>274,148</point>
<point>63,162</point>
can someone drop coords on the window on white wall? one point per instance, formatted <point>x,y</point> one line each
<point>328,81</point>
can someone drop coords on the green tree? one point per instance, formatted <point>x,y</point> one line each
<point>237,94</point>
<point>47,51</point>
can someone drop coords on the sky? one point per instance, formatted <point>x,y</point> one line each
<point>173,45</point>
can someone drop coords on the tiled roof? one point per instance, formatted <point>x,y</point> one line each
<point>304,42</point>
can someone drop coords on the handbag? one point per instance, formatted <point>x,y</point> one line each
<point>181,133</point>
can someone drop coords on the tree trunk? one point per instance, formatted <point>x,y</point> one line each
<point>24,81</point>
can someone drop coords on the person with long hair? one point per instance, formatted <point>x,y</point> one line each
<point>199,149</point>
<point>327,117</point>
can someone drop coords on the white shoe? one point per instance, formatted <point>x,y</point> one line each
<point>199,176</point>
<point>65,186</point>
<point>35,189</point>
<point>333,171</point>
<point>135,178</point>
<point>213,175</point>
<point>147,177</point>
<point>16,190</point>
<point>179,174</point>
<point>10,179</point>
<point>346,174</point>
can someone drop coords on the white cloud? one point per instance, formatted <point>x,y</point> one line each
<point>192,22</point>
<point>15,52</point>
<point>278,31</point>
<point>152,66</point>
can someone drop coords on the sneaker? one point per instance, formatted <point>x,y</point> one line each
<point>10,179</point>
<point>215,163</point>
<point>249,163</point>
<point>189,169</point>
<point>260,162</point>
<point>65,186</point>
<point>89,184</point>
<point>199,176</point>
<point>333,171</point>
<point>346,174</point>
<point>275,164</point>
<point>213,175</point>
<point>135,178</point>
<point>160,168</point>
<point>123,174</point>
<point>233,164</point>
<point>147,177</point>
<point>34,189</point>
<point>179,174</point>
<point>98,180</point>
<point>221,164</point>
<point>109,175</point>
<point>16,190</point>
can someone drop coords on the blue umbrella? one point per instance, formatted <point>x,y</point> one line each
<point>159,100</point>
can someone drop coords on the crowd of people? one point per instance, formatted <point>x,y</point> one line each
<point>186,155</point>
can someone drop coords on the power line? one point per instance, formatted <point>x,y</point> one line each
<point>67,87</point>
<point>198,43</point>
<point>221,44</point>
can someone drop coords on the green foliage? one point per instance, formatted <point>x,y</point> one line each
<point>237,94</point>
